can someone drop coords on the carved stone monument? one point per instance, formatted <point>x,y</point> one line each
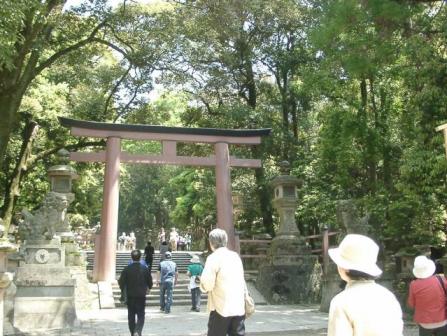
<point>350,222</point>
<point>291,274</point>
<point>45,286</point>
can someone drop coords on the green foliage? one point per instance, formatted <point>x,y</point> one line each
<point>352,91</point>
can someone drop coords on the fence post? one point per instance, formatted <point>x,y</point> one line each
<point>325,249</point>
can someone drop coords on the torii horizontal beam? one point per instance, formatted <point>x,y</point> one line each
<point>164,160</point>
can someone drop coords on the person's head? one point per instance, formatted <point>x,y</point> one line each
<point>149,244</point>
<point>195,259</point>
<point>423,267</point>
<point>356,258</point>
<point>164,242</point>
<point>135,255</point>
<point>218,238</point>
<point>168,255</point>
<point>173,229</point>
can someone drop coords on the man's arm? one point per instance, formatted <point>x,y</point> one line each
<point>123,278</point>
<point>208,277</point>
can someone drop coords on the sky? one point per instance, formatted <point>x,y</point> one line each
<point>113,3</point>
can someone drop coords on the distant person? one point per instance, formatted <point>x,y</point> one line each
<point>188,241</point>
<point>134,282</point>
<point>167,276</point>
<point>149,255</point>
<point>181,243</point>
<point>428,298</point>
<point>161,236</point>
<point>194,272</point>
<point>363,308</point>
<point>173,239</point>
<point>122,241</point>
<point>223,280</point>
<point>163,249</point>
<point>131,241</point>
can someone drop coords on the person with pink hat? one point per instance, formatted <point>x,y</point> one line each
<point>427,296</point>
<point>363,308</point>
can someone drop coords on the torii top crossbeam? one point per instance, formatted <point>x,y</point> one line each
<point>169,136</point>
<point>105,250</point>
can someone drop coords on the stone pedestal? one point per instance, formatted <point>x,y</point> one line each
<point>45,288</point>
<point>292,274</point>
<point>5,278</point>
<point>331,285</point>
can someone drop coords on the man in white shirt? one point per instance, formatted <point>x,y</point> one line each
<point>223,280</point>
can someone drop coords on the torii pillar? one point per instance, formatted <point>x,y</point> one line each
<point>223,192</point>
<point>109,216</point>
<point>104,268</point>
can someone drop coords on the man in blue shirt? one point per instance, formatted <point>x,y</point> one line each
<point>166,278</point>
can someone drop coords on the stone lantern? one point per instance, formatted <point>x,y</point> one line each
<point>61,176</point>
<point>289,273</point>
<point>285,199</point>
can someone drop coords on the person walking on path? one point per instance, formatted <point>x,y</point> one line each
<point>223,279</point>
<point>161,236</point>
<point>134,282</point>
<point>173,239</point>
<point>149,255</point>
<point>195,270</point>
<point>167,276</point>
<point>363,308</point>
<point>427,296</point>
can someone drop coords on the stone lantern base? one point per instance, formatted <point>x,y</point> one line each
<point>292,274</point>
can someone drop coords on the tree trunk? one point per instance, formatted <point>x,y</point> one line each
<point>29,133</point>
<point>264,192</point>
<point>9,105</point>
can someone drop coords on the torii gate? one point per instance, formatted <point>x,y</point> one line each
<point>169,136</point>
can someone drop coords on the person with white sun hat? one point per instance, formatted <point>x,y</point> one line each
<point>363,308</point>
<point>427,296</point>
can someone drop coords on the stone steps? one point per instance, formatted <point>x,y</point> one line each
<point>181,295</point>
<point>181,258</point>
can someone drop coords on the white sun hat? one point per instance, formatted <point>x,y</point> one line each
<point>195,259</point>
<point>423,267</point>
<point>357,252</point>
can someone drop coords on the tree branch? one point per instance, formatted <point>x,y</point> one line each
<point>115,88</point>
<point>53,58</point>
<point>81,144</point>
<point>123,110</point>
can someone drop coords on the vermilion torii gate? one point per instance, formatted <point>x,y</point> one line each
<point>169,136</point>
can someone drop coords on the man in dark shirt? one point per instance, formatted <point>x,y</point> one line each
<point>134,281</point>
<point>149,255</point>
